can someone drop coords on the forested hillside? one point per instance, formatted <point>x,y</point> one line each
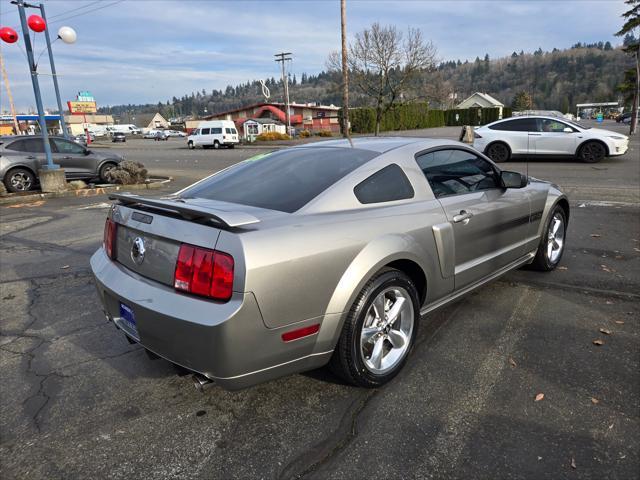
<point>556,80</point>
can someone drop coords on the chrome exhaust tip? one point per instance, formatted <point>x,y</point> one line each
<point>201,382</point>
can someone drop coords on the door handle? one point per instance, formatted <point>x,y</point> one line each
<point>463,217</point>
<point>31,157</point>
<point>66,158</point>
<point>535,134</point>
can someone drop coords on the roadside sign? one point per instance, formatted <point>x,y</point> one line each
<point>80,108</point>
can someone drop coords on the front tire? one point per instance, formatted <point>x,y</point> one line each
<point>191,145</point>
<point>498,152</point>
<point>592,152</point>
<point>104,170</point>
<point>552,242</point>
<point>379,331</point>
<point>216,145</point>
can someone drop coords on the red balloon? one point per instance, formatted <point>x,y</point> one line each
<point>36,23</point>
<point>8,34</point>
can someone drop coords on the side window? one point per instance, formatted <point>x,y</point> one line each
<point>455,172</point>
<point>385,185</point>
<point>62,146</point>
<point>33,145</point>
<point>234,131</point>
<point>17,146</point>
<point>517,125</point>
<point>228,130</point>
<point>549,125</point>
<point>216,131</point>
<point>204,131</point>
<point>196,132</point>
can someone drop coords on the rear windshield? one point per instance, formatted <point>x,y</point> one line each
<point>285,180</point>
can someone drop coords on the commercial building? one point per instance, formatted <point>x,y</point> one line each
<point>29,125</point>
<point>310,116</point>
<point>94,122</point>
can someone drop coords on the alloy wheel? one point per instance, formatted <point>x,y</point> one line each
<point>387,330</point>
<point>555,238</point>
<point>21,181</point>
<point>498,152</point>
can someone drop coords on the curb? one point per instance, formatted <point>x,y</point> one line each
<point>12,198</point>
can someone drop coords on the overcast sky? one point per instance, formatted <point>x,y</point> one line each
<point>140,51</point>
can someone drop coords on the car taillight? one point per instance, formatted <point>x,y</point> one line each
<point>475,135</point>
<point>204,272</point>
<point>110,232</point>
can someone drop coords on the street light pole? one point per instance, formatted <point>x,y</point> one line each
<point>36,86</point>
<point>54,74</point>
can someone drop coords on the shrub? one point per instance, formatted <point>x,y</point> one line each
<point>127,173</point>
<point>304,134</point>
<point>324,133</point>
<point>271,136</point>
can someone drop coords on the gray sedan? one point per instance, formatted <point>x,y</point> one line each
<point>22,156</point>
<point>323,253</point>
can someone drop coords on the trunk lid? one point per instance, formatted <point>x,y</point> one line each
<point>150,231</point>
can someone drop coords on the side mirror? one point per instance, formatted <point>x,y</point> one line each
<point>87,151</point>
<point>513,179</point>
<point>567,130</point>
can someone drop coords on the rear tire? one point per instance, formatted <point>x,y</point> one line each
<point>552,242</point>
<point>19,180</point>
<point>498,152</point>
<point>373,348</point>
<point>592,152</point>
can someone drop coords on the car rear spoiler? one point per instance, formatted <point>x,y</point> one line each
<point>189,212</point>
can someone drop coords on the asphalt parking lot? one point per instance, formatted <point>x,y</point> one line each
<point>78,401</point>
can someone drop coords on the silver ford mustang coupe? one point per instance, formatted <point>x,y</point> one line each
<point>329,252</point>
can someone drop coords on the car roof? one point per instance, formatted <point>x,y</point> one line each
<point>375,144</point>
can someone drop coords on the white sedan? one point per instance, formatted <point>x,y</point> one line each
<point>547,136</point>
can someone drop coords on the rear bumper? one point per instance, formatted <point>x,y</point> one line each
<point>226,342</point>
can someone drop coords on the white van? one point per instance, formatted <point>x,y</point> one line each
<point>214,134</point>
<point>128,129</point>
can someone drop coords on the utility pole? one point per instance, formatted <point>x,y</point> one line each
<point>281,58</point>
<point>36,86</point>
<point>345,71</point>
<point>54,74</point>
<point>11,105</point>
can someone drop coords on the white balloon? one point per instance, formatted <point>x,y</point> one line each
<point>67,35</point>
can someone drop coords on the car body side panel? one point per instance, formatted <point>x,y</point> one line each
<point>305,262</point>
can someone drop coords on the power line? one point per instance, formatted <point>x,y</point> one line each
<point>53,17</point>
<point>64,19</point>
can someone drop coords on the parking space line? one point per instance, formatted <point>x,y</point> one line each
<point>463,417</point>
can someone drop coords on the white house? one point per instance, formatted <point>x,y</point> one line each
<point>482,100</point>
<point>253,127</point>
<point>158,121</point>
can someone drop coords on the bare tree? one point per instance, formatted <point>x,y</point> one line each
<point>382,62</point>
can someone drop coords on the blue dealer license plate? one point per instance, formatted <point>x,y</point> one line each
<point>129,319</point>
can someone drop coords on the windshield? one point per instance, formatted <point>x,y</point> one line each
<point>285,180</point>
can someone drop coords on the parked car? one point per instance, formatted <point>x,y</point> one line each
<point>321,253</point>
<point>82,138</point>
<point>214,134</point>
<point>150,134</point>
<point>175,133</point>
<point>547,136</point>
<point>161,135</point>
<point>624,117</point>
<point>118,137</point>
<point>22,156</point>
